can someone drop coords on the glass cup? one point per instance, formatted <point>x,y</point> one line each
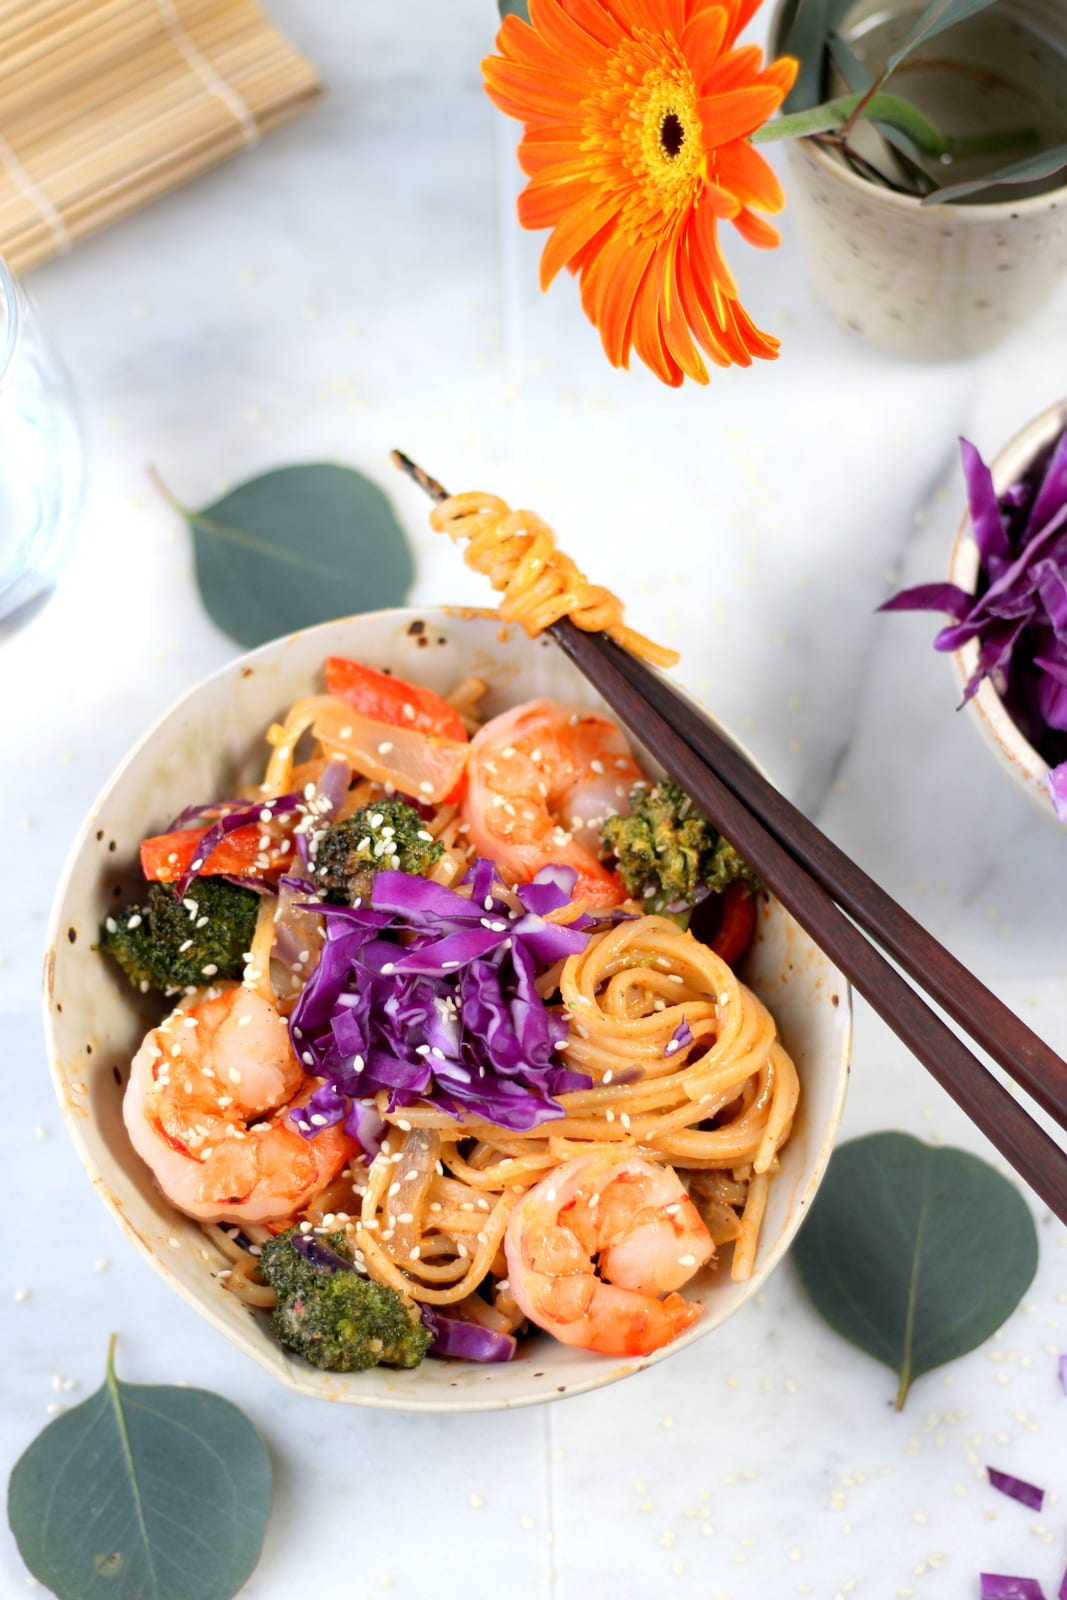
<point>41,460</point>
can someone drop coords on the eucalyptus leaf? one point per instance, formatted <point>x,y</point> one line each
<point>514,8</point>
<point>1032,170</point>
<point>805,27</point>
<point>939,15</point>
<point>856,76</point>
<point>297,546</point>
<point>142,1493</point>
<point>914,1253</point>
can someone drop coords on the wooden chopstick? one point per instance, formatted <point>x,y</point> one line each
<point>636,694</point>
<point>1015,1047</point>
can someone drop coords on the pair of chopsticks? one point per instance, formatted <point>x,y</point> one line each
<point>818,884</point>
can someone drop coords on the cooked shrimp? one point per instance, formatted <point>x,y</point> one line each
<point>542,778</point>
<point>207,1108</point>
<point>592,1246</point>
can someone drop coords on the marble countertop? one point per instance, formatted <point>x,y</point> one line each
<point>359,283</point>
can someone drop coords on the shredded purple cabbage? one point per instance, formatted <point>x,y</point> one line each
<point>1061,1592</point>
<point>1028,1493</point>
<point>257,885</point>
<point>451,1015</point>
<point>323,803</point>
<point>1019,613</point>
<point>317,1254</point>
<point>682,1036</point>
<point>999,1586</point>
<point>466,1341</point>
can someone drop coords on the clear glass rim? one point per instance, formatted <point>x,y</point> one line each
<point>7,343</point>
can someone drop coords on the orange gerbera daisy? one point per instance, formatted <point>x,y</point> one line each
<point>638,115</point>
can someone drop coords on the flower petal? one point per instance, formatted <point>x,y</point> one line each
<point>578,225</point>
<point>756,231</point>
<point>737,113</point>
<point>744,172</point>
<point>702,43</point>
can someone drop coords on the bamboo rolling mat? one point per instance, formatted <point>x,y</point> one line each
<point>107,104</point>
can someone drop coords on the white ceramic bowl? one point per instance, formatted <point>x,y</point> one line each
<point>1014,753</point>
<point>213,739</point>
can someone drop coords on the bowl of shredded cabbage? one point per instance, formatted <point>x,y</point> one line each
<point>1006,600</point>
<point>422,1035</point>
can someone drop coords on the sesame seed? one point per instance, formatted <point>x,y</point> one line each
<point>413,1255</point>
<point>244,1022</point>
<point>405,1216</point>
<point>385,747</point>
<point>210,970</point>
<point>597,767</point>
<point>187,945</point>
<point>234,1075</point>
<point>134,921</point>
<point>425,787</point>
<point>687,1261</point>
<point>388,969</point>
<point>111,925</point>
<point>345,732</point>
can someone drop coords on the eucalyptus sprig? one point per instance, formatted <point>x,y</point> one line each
<point>808,31</point>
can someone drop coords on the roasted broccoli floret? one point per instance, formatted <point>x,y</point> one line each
<point>333,1317</point>
<point>666,853</point>
<point>170,944</point>
<point>389,833</point>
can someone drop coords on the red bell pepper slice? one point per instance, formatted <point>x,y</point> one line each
<point>165,857</point>
<point>383,698</point>
<point>738,923</point>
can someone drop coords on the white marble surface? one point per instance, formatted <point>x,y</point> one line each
<point>358,283</point>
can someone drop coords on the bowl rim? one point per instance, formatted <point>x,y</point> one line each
<point>612,1369</point>
<point>995,723</point>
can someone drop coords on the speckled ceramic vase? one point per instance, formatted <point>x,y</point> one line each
<point>930,283</point>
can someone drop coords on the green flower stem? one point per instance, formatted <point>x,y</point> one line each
<point>898,113</point>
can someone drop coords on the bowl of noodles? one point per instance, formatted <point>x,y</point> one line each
<point>652,1061</point>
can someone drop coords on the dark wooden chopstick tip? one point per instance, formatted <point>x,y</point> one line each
<point>419,475</point>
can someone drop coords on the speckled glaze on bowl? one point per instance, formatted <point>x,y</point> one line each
<point>929,283</point>
<point>1014,753</point>
<point>212,739</point>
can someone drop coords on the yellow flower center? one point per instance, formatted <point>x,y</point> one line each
<point>642,132</point>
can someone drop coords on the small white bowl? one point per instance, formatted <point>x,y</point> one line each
<point>1015,754</point>
<point>212,740</point>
